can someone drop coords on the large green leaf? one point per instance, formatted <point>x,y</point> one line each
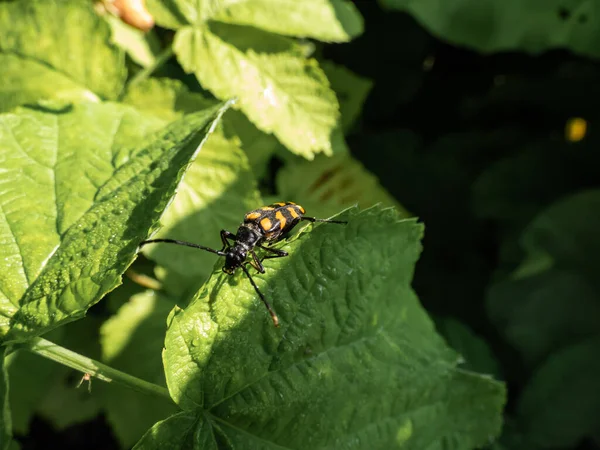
<point>132,341</point>
<point>560,406</point>
<point>85,199</point>
<point>324,20</point>
<point>356,360</point>
<point>533,26</point>
<point>5,418</point>
<point>56,48</point>
<point>26,81</point>
<point>279,90</point>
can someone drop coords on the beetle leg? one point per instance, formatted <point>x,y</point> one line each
<point>255,262</point>
<point>277,253</point>
<point>227,235</point>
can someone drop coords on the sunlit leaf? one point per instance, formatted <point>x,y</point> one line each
<point>323,20</point>
<point>75,251</point>
<point>142,47</point>
<point>356,359</point>
<point>279,90</point>
<point>56,49</point>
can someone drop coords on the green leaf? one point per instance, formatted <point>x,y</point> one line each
<point>534,26</point>
<point>142,47</point>
<point>329,184</point>
<point>56,49</point>
<point>168,13</point>
<point>63,252</point>
<point>351,91</point>
<point>26,81</point>
<point>181,431</point>
<point>132,341</point>
<point>5,417</point>
<point>356,360</point>
<point>560,406</point>
<point>279,90</point>
<point>165,98</point>
<point>478,356</point>
<point>324,20</point>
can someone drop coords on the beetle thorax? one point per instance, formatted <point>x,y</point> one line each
<point>245,240</point>
<point>248,236</point>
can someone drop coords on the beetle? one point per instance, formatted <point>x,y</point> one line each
<point>265,225</point>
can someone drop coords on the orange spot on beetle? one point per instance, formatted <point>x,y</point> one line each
<point>293,213</point>
<point>253,215</point>
<point>266,224</point>
<point>281,219</point>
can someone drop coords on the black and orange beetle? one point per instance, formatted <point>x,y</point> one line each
<point>268,224</point>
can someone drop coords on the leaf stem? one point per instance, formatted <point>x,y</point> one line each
<point>89,366</point>
<point>162,58</point>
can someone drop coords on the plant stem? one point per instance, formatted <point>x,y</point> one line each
<point>89,366</point>
<point>163,57</point>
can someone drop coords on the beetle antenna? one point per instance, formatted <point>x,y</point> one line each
<point>314,219</point>
<point>264,300</point>
<point>187,244</point>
